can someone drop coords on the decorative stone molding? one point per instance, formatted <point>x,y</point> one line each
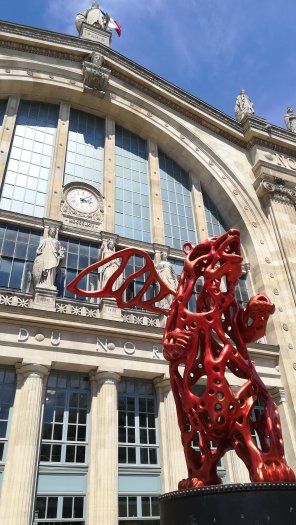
<point>74,217</point>
<point>15,300</point>
<point>81,310</point>
<point>143,320</point>
<point>95,76</point>
<point>278,190</point>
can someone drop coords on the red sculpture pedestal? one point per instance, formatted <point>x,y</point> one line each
<point>237,504</point>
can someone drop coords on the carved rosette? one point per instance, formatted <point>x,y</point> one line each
<point>277,190</point>
<point>95,76</point>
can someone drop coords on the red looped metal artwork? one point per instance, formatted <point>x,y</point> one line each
<point>204,348</point>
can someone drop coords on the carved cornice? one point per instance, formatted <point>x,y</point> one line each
<point>276,190</point>
<point>256,141</point>
<point>44,42</point>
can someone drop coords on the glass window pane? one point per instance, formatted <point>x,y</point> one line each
<point>85,149</point>
<point>67,507</point>
<point>176,194</point>
<point>27,157</point>
<point>131,154</point>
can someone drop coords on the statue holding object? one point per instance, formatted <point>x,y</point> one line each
<point>206,344</point>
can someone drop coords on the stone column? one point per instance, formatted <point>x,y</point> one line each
<point>103,451</point>
<point>155,192</point>
<point>7,132</point>
<point>199,210</point>
<point>57,178</point>
<point>173,465</point>
<point>280,201</point>
<point>288,430</point>
<point>20,472</point>
<point>236,470</point>
<point>109,175</point>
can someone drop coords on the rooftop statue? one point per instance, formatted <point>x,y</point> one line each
<point>243,106</point>
<point>94,17</point>
<point>290,120</point>
<point>203,347</point>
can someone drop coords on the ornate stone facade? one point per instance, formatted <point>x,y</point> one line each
<point>246,168</point>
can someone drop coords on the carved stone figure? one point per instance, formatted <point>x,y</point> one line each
<point>290,120</point>
<point>49,256</point>
<point>107,249</point>
<point>96,77</point>
<point>167,274</point>
<point>92,16</point>
<point>243,106</point>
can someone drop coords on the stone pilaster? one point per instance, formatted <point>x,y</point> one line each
<point>155,192</point>
<point>280,201</point>
<point>103,451</point>
<point>109,175</point>
<point>7,132</point>
<point>199,210</point>
<point>56,181</point>
<point>20,472</point>
<point>172,456</point>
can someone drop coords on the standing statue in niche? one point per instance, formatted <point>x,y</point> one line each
<point>243,106</point>
<point>167,274</point>
<point>94,17</point>
<point>107,249</point>
<point>290,120</point>
<point>49,257</point>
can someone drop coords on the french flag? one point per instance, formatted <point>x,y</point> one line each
<point>112,24</point>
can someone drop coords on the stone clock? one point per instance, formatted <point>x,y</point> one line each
<point>82,206</point>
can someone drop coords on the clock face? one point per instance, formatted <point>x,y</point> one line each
<point>82,200</point>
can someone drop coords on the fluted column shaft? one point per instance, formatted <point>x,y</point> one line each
<point>172,456</point>
<point>103,451</point>
<point>20,473</point>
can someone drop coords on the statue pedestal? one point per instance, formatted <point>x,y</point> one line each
<point>238,504</point>
<point>110,310</point>
<point>44,299</point>
<point>90,32</point>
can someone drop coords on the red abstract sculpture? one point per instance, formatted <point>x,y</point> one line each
<point>205,346</point>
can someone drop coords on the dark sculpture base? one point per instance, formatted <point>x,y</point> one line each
<point>238,504</point>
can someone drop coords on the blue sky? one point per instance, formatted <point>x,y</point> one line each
<point>210,48</point>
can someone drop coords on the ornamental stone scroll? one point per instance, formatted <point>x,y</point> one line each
<point>278,190</point>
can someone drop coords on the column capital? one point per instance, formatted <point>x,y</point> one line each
<point>278,394</point>
<point>162,384</point>
<point>111,378</point>
<point>277,190</point>
<point>32,370</point>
